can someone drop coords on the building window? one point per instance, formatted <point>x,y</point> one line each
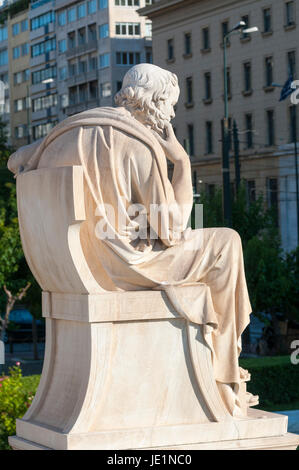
<point>3,33</point>
<point>127,29</point>
<point>272,196</point>
<point>18,105</point>
<point>105,89</point>
<point>251,192</point>
<point>293,123</point>
<point>91,6</point>
<point>187,43</point>
<point>208,86</point>
<point>292,63</point>
<point>245,18</point>
<point>42,130</point>
<point>267,20</point>
<point>170,49</point>
<point>247,77</point>
<point>62,73</point>
<point>40,75</point>
<point>104,30</point>
<point>269,71</point>
<point>229,82</point>
<point>92,63</point>
<point>15,29</point>
<point>24,25</point>
<point>224,29</point>
<point>44,102</point>
<point>81,10</point>
<point>189,90</point>
<point>71,15</point>
<point>81,36</point>
<point>103,4</point>
<point>93,90</point>
<point>83,93</point>
<point>62,18</point>
<point>16,52</point>
<point>127,3</point>
<point>42,20</point>
<point>190,140</point>
<point>71,40</point>
<point>72,66</point>
<point>25,49</point>
<point>290,13</point>
<point>209,137</point>
<point>148,30</point>
<point>21,131</point>
<point>43,47</point>
<point>249,131</point>
<point>206,38</point>
<point>104,60</point>
<point>64,100</point>
<point>118,86</point>
<point>127,58</point>
<point>149,57</point>
<point>92,32</point>
<point>4,57</point>
<point>82,66</point>
<point>73,95</point>
<point>62,46</point>
<point>270,128</point>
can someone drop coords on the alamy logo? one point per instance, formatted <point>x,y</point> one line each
<point>295,94</point>
<point>2,353</point>
<point>295,354</point>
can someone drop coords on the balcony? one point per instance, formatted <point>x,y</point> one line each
<point>79,107</point>
<point>82,78</point>
<point>82,49</point>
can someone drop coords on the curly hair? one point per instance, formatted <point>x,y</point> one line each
<point>145,106</point>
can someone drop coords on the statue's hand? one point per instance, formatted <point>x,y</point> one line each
<point>173,150</point>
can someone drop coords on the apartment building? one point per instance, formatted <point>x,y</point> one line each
<point>19,77</point>
<point>80,51</point>
<point>4,71</point>
<point>188,40</point>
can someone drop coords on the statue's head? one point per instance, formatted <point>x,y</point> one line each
<point>150,94</point>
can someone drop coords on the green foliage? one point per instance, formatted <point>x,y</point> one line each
<point>15,399</point>
<point>268,269</point>
<point>274,379</point>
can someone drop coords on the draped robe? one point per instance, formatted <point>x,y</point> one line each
<point>124,164</point>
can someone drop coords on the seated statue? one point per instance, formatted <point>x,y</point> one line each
<point>141,217</point>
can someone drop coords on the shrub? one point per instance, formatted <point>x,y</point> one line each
<point>274,379</point>
<point>15,398</point>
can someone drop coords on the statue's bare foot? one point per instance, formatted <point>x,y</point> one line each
<point>245,376</point>
<point>252,400</point>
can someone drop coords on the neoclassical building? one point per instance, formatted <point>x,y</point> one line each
<point>188,40</point>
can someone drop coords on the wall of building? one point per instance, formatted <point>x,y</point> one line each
<point>260,163</point>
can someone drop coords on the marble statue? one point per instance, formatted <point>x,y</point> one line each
<point>130,241</point>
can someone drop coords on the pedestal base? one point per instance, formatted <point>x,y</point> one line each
<point>260,430</point>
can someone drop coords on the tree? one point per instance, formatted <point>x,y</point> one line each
<point>272,275</point>
<point>12,280</point>
<point>14,273</point>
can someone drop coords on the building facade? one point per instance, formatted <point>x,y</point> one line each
<point>4,71</point>
<point>80,51</point>
<point>19,77</point>
<point>188,40</point>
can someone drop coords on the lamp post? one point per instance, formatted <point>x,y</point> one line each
<point>238,28</point>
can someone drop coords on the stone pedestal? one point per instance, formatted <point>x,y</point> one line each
<point>122,370</point>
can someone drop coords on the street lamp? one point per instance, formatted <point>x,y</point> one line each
<point>238,28</point>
